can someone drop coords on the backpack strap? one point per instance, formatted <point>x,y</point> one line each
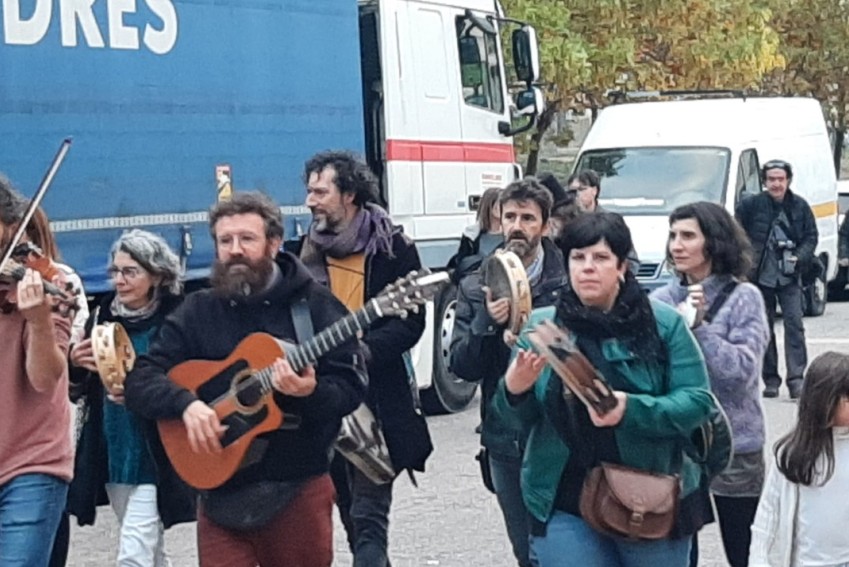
<point>301,320</point>
<point>720,300</point>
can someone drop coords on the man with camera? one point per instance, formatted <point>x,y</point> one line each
<point>784,235</point>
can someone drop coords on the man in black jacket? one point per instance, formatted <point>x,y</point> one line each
<point>353,249</point>
<point>784,235</point>
<point>479,352</point>
<point>285,478</point>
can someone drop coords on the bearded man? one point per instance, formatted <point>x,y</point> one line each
<point>479,353</point>
<point>253,290</point>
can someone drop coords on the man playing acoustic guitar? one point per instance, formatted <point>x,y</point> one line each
<point>276,510</point>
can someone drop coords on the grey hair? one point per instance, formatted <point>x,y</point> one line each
<point>154,255</point>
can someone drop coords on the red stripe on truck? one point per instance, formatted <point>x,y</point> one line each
<point>474,152</point>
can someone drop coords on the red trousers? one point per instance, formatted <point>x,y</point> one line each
<point>300,536</point>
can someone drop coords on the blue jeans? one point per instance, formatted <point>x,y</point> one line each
<point>31,506</point>
<point>568,536</point>
<point>506,478</point>
<point>364,510</point>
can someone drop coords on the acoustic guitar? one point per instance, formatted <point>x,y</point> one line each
<point>239,387</point>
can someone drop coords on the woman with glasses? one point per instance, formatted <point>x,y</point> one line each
<point>120,459</point>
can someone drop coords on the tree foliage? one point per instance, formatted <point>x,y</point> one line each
<point>814,41</point>
<point>588,47</point>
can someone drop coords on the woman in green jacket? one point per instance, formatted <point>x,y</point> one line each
<point>655,367</point>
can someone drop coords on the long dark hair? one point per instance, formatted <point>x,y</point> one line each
<point>799,453</point>
<point>726,244</point>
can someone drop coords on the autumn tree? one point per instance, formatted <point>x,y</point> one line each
<point>815,43</point>
<point>589,47</point>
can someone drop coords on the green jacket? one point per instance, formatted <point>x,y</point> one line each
<point>656,425</point>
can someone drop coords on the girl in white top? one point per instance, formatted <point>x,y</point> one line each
<point>803,516</point>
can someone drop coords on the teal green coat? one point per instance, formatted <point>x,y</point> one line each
<point>654,430</point>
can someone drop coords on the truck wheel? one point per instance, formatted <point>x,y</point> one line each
<point>447,394</point>
<point>816,296</point>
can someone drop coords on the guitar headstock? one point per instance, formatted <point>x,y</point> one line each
<point>410,292</point>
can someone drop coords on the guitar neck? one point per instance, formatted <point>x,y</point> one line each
<point>342,330</point>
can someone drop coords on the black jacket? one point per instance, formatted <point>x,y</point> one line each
<point>755,215</point>
<point>175,499</point>
<point>390,393</point>
<point>843,238</point>
<point>209,327</point>
<point>478,351</point>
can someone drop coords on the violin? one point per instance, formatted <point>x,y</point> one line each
<point>28,255</point>
<point>16,259</point>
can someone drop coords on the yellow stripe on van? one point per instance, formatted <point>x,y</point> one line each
<point>825,209</point>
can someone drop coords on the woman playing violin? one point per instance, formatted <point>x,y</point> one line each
<point>36,459</point>
<point>118,451</point>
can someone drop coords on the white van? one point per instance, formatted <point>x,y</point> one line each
<point>655,156</point>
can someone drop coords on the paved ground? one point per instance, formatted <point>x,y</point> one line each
<point>450,520</point>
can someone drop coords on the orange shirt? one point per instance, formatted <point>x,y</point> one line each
<point>347,279</point>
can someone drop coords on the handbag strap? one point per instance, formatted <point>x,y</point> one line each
<point>720,300</point>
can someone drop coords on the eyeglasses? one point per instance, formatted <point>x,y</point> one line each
<point>128,272</point>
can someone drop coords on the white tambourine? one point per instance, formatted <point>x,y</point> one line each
<point>505,276</point>
<point>114,355</point>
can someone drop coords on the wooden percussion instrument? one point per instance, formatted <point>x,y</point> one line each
<point>505,276</point>
<point>114,355</point>
<point>577,373</point>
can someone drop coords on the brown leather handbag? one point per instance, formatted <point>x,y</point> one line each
<point>626,502</point>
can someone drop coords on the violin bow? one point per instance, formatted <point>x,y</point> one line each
<point>36,200</point>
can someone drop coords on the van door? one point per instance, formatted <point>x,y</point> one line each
<point>748,176</point>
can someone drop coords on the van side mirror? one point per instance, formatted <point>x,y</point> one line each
<point>526,54</point>
<point>530,103</point>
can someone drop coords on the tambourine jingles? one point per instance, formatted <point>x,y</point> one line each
<point>505,276</point>
<point>114,355</point>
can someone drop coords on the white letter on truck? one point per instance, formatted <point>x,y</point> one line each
<point>25,32</point>
<point>79,10</point>
<point>121,36</point>
<point>161,41</point>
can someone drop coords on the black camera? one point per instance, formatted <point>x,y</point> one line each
<point>787,262</point>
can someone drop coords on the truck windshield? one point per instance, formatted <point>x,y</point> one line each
<point>654,181</point>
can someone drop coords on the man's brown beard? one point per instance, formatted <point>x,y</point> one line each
<point>240,277</point>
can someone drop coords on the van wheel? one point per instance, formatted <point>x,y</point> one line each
<point>448,393</point>
<point>816,296</point>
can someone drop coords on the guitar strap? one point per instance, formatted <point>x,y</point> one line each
<point>302,321</point>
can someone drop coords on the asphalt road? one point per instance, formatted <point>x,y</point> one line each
<point>450,520</point>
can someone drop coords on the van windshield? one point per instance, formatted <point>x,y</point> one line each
<point>654,181</point>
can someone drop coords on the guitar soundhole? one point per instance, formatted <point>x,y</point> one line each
<point>248,391</point>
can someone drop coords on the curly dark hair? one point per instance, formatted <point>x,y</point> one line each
<point>726,244</point>
<point>246,203</point>
<point>352,174</point>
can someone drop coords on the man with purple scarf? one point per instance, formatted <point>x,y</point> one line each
<point>353,248</point>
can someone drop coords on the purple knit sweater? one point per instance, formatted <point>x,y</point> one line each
<point>733,345</point>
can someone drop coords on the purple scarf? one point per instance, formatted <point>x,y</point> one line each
<point>370,231</point>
